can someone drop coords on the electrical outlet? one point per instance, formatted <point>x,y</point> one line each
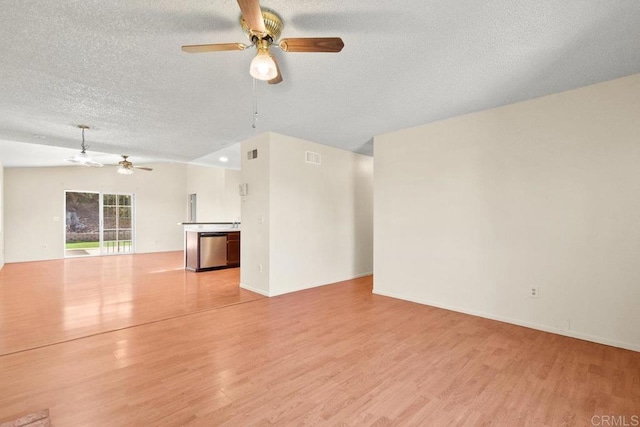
<point>259,268</point>
<point>534,292</point>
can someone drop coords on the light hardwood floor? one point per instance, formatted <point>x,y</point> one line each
<point>53,301</point>
<point>334,355</point>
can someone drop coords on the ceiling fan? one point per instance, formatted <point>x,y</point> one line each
<point>125,167</point>
<point>83,158</point>
<point>263,27</point>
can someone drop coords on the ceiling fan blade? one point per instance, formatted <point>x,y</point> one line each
<point>277,79</point>
<point>312,44</point>
<point>252,13</point>
<point>143,168</point>
<point>219,47</point>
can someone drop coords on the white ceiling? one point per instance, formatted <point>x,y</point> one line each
<point>24,154</point>
<point>117,67</point>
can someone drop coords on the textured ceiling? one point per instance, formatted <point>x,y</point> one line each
<point>117,67</point>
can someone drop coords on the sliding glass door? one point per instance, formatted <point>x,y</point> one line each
<point>98,224</point>
<point>117,230</point>
<point>82,223</point>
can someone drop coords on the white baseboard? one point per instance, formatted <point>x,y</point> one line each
<point>537,326</point>
<point>257,291</point>
<point>267,294</point>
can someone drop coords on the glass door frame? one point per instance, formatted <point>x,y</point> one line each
<point>101,195</point>
<point>64,223</point>
<point>117,229</point>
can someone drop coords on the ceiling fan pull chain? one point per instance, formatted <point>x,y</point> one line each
<point>255,105</point>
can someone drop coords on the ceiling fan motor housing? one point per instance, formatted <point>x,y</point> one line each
<point>272,22</point>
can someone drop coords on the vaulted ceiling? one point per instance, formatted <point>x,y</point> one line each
<point>117,67</point>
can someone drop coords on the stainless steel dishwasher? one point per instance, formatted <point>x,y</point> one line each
<point>213,250</point>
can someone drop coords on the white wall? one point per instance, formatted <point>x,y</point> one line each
<point>217,193</point>
<point>317,219</point>
<point>34,207</point>
<point>1,216</point>
<point>231,200</point>
<point>321,216</point>
<point>254,242</point>
<point>472,212</point>
<point>363,214</point>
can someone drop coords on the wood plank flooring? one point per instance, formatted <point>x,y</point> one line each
<point>52,301</point>
<point>334,355</point>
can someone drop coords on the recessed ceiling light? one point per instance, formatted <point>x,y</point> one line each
<point>223,159</point>
<point>36,136</point>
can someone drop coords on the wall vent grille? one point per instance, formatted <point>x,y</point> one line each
<point>252,154</point>
<point>313,158</point>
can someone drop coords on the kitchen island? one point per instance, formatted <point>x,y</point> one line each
<point>211,246</point>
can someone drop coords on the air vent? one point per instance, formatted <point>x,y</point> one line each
<point>253,154</point>
<point>313,158</point>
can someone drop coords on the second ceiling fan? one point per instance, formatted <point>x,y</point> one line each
<point>263,27</point>
<point>125,167</point>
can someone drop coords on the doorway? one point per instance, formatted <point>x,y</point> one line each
<point>98,224</point>
<point>193,200</point>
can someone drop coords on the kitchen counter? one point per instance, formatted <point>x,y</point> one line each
<point>212,249</point>
<point>211,226</point>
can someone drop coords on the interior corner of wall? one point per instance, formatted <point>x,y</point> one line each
<point>273,134</point>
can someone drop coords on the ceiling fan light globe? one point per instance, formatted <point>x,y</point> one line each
<point>263,67</point>
<point>75,159</point>
<point>124,171</point>
<point>83,158</point>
